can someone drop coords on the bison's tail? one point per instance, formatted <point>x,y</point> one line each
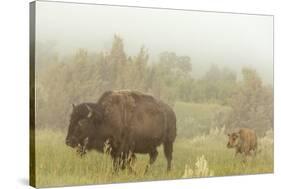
<point>171,133</point>
<point>171,128</point>
<point>168,151</point>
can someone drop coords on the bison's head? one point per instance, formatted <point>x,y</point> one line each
<point>233,140</point>
<point>83,119</point>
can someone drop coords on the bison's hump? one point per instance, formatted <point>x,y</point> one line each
<point>122,106</point>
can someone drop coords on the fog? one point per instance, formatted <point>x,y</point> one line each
<point>232,40</point>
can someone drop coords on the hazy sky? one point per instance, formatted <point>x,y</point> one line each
<point>234,40</point>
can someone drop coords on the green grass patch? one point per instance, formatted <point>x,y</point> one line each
<point>59,165</point>
<point>196,119</point>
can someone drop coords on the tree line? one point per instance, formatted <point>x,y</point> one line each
<point>84,76</point>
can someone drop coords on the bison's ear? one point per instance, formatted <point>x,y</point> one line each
<point>228,134</point>
<point>83,123</point>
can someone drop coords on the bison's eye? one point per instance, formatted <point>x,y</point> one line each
<point>82,123</point>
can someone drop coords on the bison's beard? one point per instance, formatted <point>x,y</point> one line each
<point>82,147</point>
<point>70,143</point>
<point>73,142</point>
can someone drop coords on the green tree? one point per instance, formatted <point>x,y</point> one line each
<point>217,85</point>
<point>252,104</point>
<point>137,71</point>
<point>169,74</point>
<point>117,64</point>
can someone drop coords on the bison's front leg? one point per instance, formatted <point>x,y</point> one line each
<point>237,151</point>
<point>122,151</point>
<point>123,145</point>
<point>115,159</point>
<point>122,161</point>
<point>82,149</point>
<point>117,163</point>
<point>131,162</point>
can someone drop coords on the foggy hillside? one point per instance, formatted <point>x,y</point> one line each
<point>230,40</point>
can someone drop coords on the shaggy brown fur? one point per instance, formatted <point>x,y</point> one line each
<point>133,122</point>
<point>244,141</point>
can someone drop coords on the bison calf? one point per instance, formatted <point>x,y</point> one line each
<point>244,141</point>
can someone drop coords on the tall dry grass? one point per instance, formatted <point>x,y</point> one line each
<point>207,155</point>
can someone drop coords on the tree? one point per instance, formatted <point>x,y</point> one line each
<point>213,74</point>
<point>137,71</point>
<point>117,63</point>
<point>252,104</point>
<point>218,84</point>
<point>170,74</point>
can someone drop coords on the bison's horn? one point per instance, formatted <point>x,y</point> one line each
<point>73,105</point>
<point>90,111</point>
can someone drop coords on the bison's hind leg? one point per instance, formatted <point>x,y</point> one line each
<point>152,158</point>
<point>168,151</point>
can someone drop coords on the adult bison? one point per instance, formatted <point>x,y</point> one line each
<point>130,121</point>
<point>244,141</point>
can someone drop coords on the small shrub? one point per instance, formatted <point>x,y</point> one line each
<point>201,169</point>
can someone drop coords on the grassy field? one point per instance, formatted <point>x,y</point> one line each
<point>200,156</point>
<point>196,119</point>
<point>57,164</point>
